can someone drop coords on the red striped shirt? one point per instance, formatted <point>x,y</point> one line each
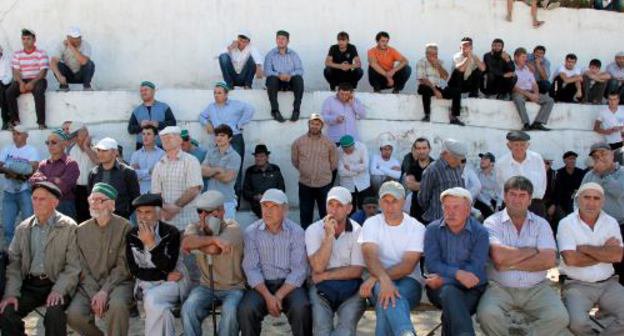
<point>30,64</point>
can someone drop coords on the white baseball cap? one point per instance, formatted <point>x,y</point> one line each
<point>340,194</point>
<point>74,32</point>
<point>106,144</point>
<point>170,130</point>
<point>274,195</point>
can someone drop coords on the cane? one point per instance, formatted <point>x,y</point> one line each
<point>213,306</point>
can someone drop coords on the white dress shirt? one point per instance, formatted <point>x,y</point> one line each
<point>240,57</point>
<point>532,168</point>
<point>381,167</point>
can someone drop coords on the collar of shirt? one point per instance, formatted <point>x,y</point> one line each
<point>178,156</point>
<point>50,222</point>
<point>63,158</point>
<point>276,51</point>
<point>285,226</point>
<point>527,220</point>
<point>581,222</point>
<point>116,166</point>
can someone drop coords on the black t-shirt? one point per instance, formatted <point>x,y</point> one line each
<point>340,57</point>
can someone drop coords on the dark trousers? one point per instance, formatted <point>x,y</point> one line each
<point>447,93</point>
<point>470,85</point>
<point>274,84</point>
<point>538,207</point>
<point>458,304</point>
<point>252,310</point>
<point>3,104</point>
<point>358,198</point>
<point>336,77</point>
<point>83,76</point>
<point>256,208</point>
<point>615,86</point>
<point>238,144</point>
<point>82,205</point>
<point>308,196</point>
<point>34,294</point>
<point>38,93</point>
<point>593,92</point>
<point>245,78</point>
<point>487,210</point>
<point>416,210</point>
<point>379,81</point>
<point>544,86</point>
<point>563,93</point>
<point>619,267</point>
<point>497,84</point>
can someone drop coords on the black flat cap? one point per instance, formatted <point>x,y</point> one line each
<point>568,154</point>
<point>148,200</point>
<point>518,136</point>
<point>488,155</point>
<point>50,187</point>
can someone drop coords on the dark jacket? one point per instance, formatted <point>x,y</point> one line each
<point>124,179</point>
<point>258,181</point>
<point>164,255</point>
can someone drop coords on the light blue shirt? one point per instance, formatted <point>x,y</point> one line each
<point>145,160</point>
<point>233,113</point>
<point>289,63</point>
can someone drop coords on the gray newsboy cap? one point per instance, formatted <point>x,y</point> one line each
<point>455,147</point>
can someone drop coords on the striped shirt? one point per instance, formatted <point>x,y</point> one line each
<point>535,233</point>
<point>29,64</point>
<point>278,256</point>
<point>171,178</point>
<point>436,178</point>
<point>315,157</point>
<point>288,63</point>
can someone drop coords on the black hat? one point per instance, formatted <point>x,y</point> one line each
<point>488,155</point>
<point>518,136</point>
<point>568,154</point>
<point>148,200</point>
<point>50,187</point>
<point>261,148</point>
<point>370,200</point>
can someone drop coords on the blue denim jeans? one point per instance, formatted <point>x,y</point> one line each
<point>458,304</point>
<point>396,320</point>
<point>197,307</point>
<point>349,313</point>
<point>245,78</point>
<point>12,204</point>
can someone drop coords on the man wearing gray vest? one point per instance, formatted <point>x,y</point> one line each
<point>150,112</point>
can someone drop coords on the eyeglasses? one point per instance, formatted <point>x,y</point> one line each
<point>53,143</point>
<point>97,200</point>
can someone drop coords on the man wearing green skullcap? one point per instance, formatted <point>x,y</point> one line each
<point>105,286</point>
<point>353,170</point>
<point>150,112</point>
<point>61,170</point>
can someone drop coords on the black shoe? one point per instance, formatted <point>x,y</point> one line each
<point>425,119</point>
<point>473,95</point>
<point>456,121</point>
<point>332,88</point>
<point>539,127</point>
<point>63,88</point>
<point>526,127</point>
<point>395,91</point>
<point>5,126</point>
<point>294,116</point>
<point>277,116</point>
<point>42,126</point>
<point>87,87</point>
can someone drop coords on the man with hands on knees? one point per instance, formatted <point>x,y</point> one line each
<point>220,239</point>
<point>105,287</point>
<point>392,244</point>
<point>337,265</point>
<point>457,249</point>
<point>44,265</point>
<point>276,267</point>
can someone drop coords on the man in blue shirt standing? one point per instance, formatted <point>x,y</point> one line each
<point>457,248</point>
<point>284,72</point>
<point>234,113</point>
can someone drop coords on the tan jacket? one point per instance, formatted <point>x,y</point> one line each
<point>61,256</point>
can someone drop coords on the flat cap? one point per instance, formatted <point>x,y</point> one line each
<point>456,192</point>
<point>518,136</point>
<point>170,130</point>
<point>340,194</point>
<point>210,200</point>
<point>50,187</point>
<point>455,147</point>
<point>599,146</point>
<point>392,188</point>
<point>148,200</point>
<point>275,196</point>
<point>590,186</point>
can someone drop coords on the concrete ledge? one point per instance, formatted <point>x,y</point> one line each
<point>395,116</point>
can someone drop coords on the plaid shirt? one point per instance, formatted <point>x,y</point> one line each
<point>171,178</point>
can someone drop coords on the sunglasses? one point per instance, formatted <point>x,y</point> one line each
<point>53,143</point>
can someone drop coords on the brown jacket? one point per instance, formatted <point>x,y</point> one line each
<point>61,256</point>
